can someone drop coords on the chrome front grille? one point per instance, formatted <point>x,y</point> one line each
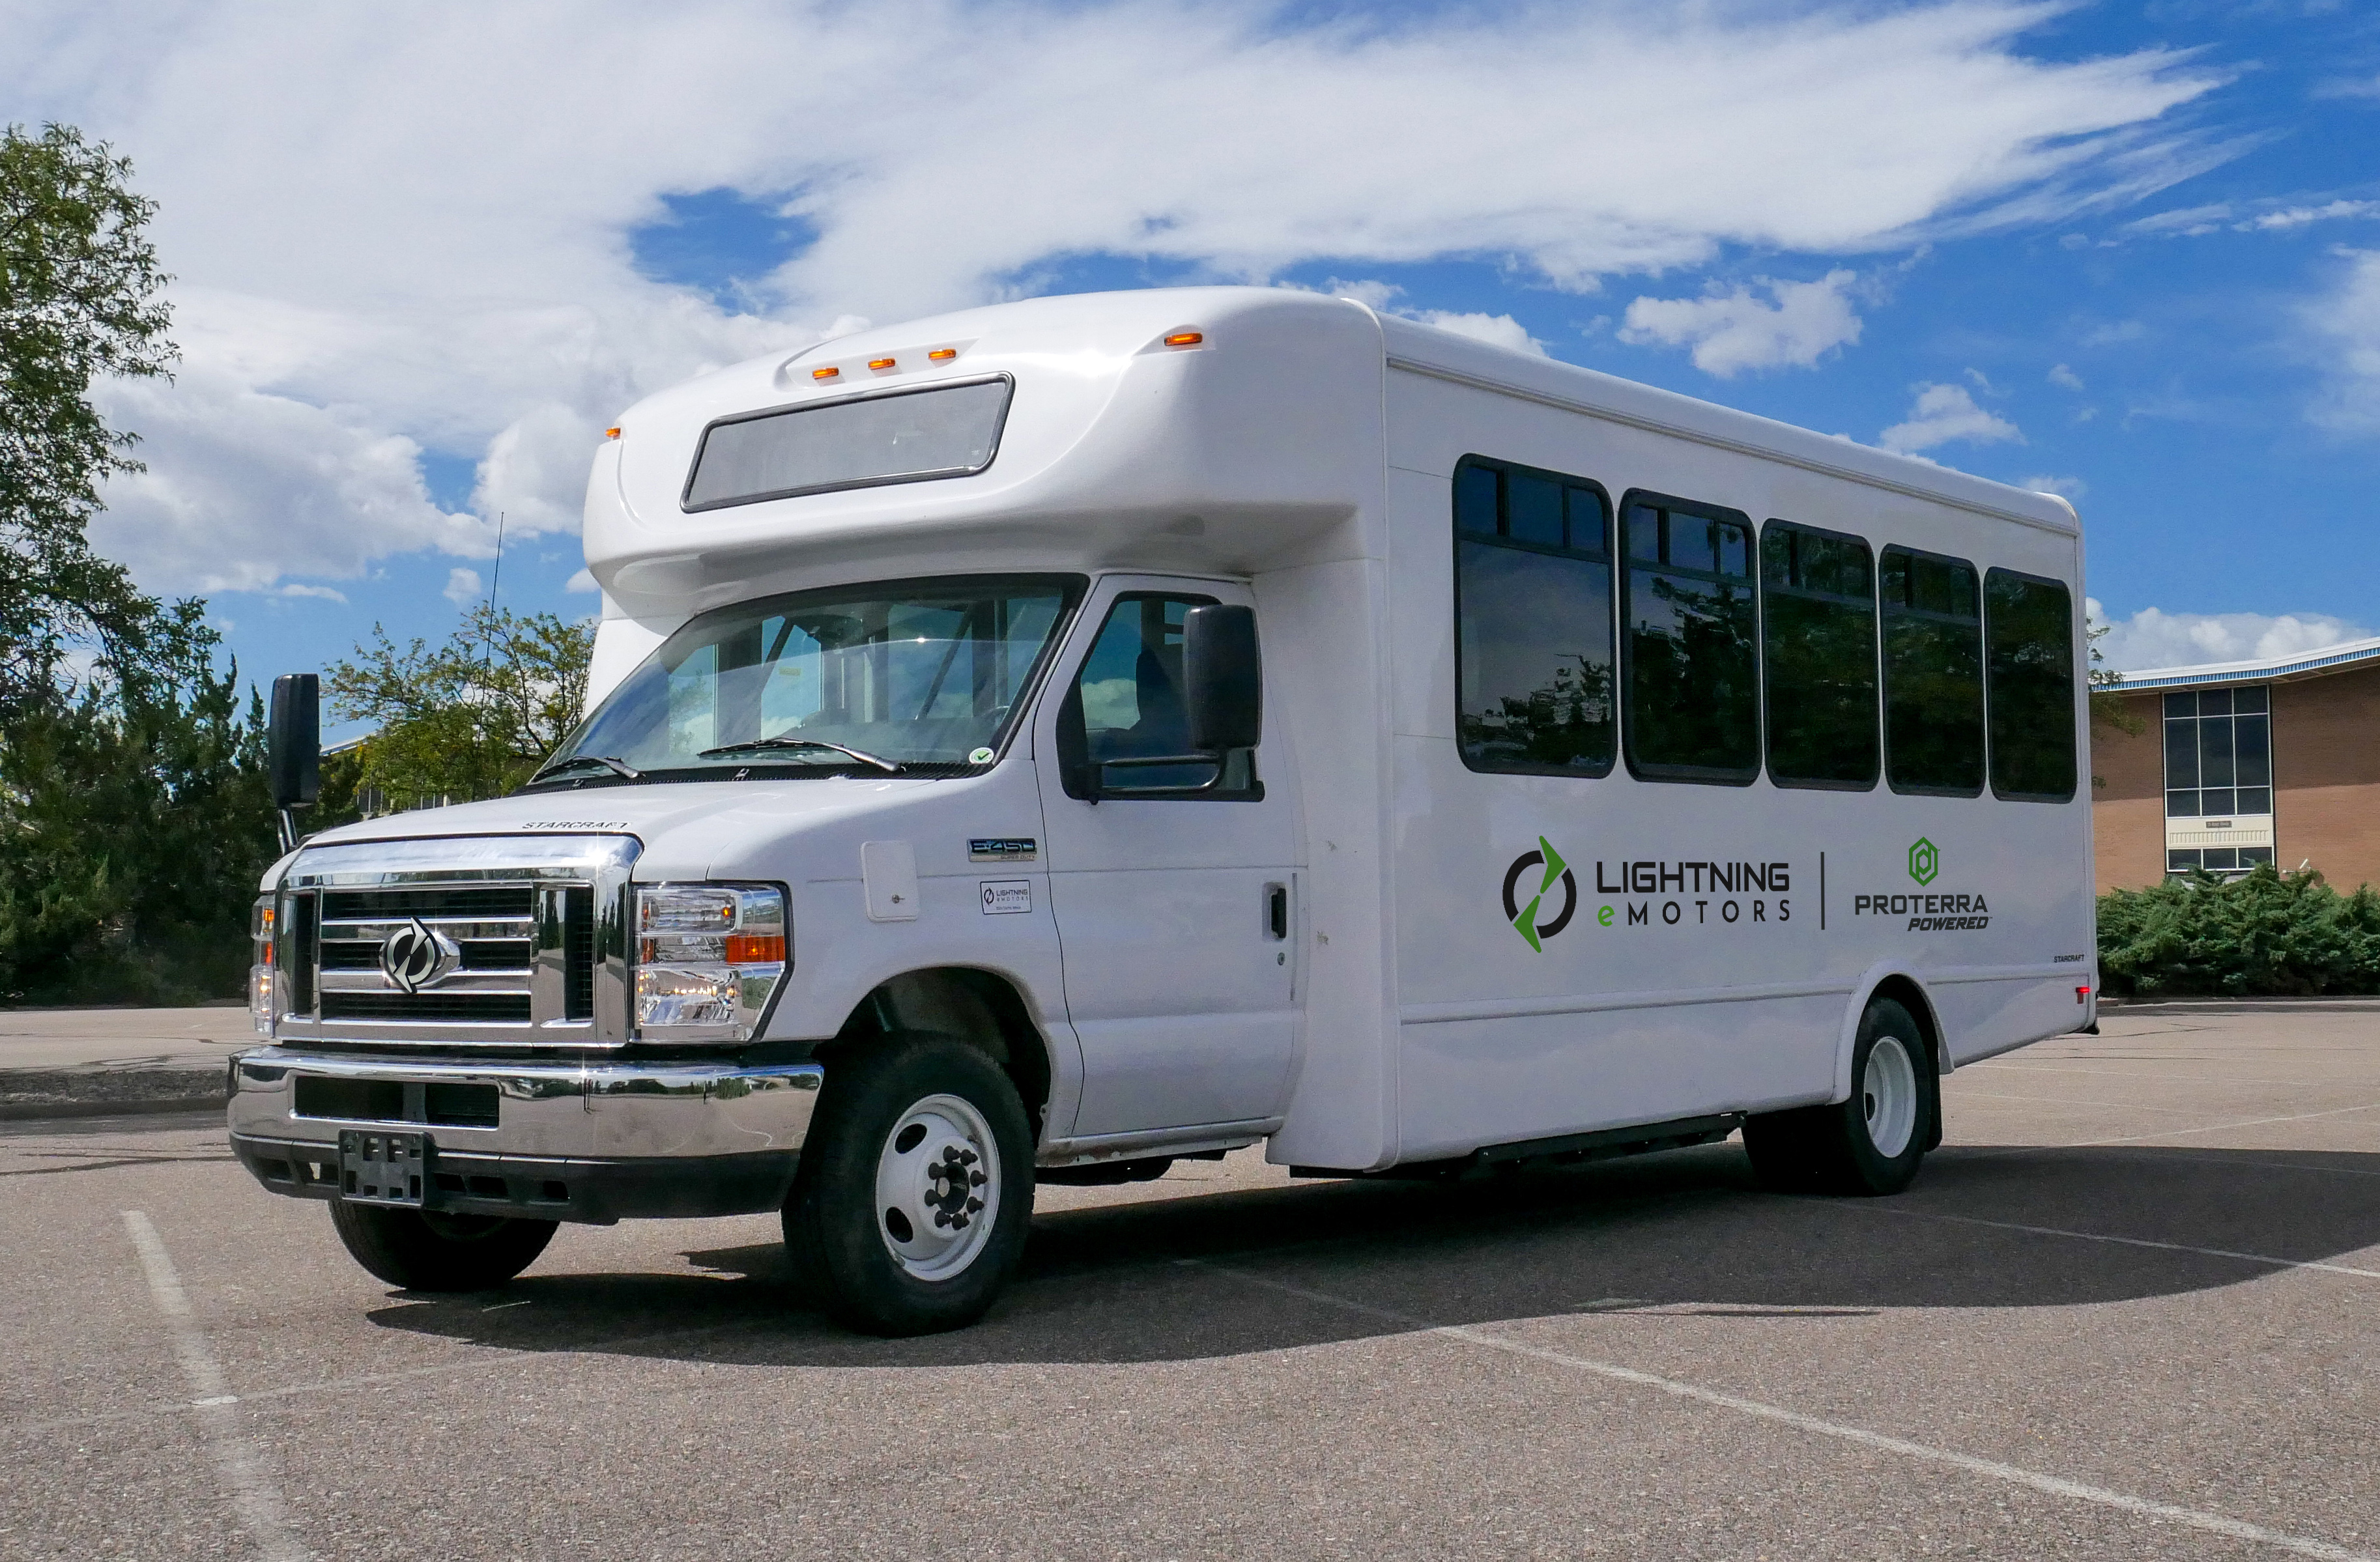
<point>531,949</point>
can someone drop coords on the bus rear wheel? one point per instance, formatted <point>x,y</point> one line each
<point>1870,1143</point>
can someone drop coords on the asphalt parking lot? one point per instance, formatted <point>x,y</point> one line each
<point>2131,1309</point>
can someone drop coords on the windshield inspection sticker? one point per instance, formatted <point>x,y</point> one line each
<point>1004,897</point>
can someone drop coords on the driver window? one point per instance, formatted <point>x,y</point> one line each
<point>1126,704</point>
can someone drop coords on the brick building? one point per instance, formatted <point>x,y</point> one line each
<point>2238,763</point>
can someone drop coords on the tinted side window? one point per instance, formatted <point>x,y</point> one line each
<point>1689,655</point>
<point>1533,620</point>
<point>1126,703</point>
<point>2029,638</point>
<point>1817,611</point>
<point>1932,673</point>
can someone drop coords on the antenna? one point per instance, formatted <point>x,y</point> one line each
<point>495,578</point>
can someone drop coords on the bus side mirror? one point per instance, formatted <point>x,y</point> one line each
<point>1222,676</point>
<point>292,762</point>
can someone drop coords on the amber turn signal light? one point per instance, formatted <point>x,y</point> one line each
<point>756,949</point>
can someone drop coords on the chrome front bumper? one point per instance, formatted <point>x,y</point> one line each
<point>592,1141</point>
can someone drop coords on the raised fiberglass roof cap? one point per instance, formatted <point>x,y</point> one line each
<point>2268,669</point>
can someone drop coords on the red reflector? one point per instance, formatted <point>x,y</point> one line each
<point>756,949</point>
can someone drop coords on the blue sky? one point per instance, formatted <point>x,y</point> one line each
<point>2128,250</point>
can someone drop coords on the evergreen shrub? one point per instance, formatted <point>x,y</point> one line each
<point>2263,934</point>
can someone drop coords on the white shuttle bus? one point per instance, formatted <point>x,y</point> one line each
<point>1047,741</point>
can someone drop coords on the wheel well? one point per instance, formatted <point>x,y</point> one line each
<point>1912,997</point>
<point>975,1007</point>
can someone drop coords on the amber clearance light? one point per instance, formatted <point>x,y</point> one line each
<point>1185,338</point>
<point>880,363</point>
<point>824,373</point>
<point>755,948</point>
<point>943,355</point>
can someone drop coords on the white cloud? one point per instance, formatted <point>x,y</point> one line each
<point>1941,415</point>
<point>583,581</point>
<point>297,589</point>
<point>2345,326</point>
<point>2152,638</point>
<point>1502,331</point>
<point>2071,489</point>
<point>1735,330</point>
<point>2189,223</point>
<point>2114,332</point>
<point>2299,216</point>
<point>464,587</point>
<point>400,234</point>
<point>2064,378</point>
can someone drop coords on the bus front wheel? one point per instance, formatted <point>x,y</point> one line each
<point>1870,1143</point>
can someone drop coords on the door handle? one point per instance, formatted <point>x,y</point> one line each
<point>1277,910</point>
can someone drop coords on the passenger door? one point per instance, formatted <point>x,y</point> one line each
<point>1171,884</point>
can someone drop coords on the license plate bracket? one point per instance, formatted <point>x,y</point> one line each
<point>377,1168</point>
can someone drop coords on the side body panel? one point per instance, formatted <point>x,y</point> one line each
<point>1723,935</point>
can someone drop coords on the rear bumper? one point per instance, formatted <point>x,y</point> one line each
<point>596,1142</point>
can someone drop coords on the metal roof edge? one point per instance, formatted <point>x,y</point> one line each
<point>2331,658</point>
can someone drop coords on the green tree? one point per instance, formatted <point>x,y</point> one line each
<point>80,299</point>
<point>133,813</point>
<point>471,717</point>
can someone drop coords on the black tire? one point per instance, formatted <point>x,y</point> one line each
<point>1833,1149</point>
<point>873,1097</point>
<point>430,1251</point>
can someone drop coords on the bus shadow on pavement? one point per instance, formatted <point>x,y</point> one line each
<point>1179,1278</point>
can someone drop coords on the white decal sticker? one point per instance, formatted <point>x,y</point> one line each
<point>1004,896</point>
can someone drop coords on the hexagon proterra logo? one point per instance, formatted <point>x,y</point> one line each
<point>1525,918</point>
<point>1925,860</point>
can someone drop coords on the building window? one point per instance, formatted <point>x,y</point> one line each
<point>2218,754</point>
<point>1691,655</point>
<point>1819,627</point>
<point>1532,621</point>
<point>2218,780</point>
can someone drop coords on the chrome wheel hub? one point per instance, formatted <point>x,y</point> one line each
<point>937,1187</point>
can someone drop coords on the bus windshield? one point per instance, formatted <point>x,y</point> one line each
<point>896,676</point>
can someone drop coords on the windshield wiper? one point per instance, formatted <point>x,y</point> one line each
<point>615,766</point>
<point>758,743</point>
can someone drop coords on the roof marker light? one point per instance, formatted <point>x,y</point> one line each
<point>880,363</point>
<point>611,433</point>
<point>1185,338</point>
<point>943,355</point>
<point>824,373</point>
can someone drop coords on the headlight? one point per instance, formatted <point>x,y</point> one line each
<point>260,974</point>
<point>708,956</point>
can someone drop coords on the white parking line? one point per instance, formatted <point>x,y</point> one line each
<point>1866,1207</point>
<point>2075,1103</point>
<point>2016,1475</point>
<point>253,1493</point>
<point>2166,1133</point>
